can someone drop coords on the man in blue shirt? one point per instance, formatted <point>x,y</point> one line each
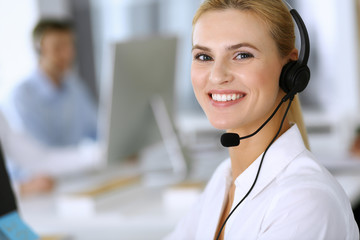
<point>52,104</point>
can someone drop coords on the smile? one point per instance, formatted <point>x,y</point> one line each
<point>226,97</point>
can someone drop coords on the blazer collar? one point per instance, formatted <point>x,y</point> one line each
<point>279,155</point>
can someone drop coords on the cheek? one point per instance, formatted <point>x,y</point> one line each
<point>68,52</point>
<point>265,81</point>
<point>198,80</point>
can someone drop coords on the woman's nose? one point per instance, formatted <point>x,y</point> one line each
<point>220,73</point>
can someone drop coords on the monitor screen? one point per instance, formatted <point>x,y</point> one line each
<point>143,68</point>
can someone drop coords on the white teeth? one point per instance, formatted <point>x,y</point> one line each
<point>226,97</point>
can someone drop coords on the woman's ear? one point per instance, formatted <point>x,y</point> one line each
<point>293,55</point>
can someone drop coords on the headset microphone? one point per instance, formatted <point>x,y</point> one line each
<point>230,140</point>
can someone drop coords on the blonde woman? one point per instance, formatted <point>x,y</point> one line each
<point>239,50</point>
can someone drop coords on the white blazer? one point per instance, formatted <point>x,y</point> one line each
<point>294,198</point>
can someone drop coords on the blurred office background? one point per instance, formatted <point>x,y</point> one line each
<point>331,102</point>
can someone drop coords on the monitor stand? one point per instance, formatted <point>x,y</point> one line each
<point>173,150</point>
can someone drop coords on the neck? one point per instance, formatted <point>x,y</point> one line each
<point>251,148</point>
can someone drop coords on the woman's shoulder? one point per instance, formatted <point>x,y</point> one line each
<point>305,177</point>
<point>306,171</point>
<point>310,192</point>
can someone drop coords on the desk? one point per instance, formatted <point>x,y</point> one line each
<point>140,217</point>
<point>134,212</point>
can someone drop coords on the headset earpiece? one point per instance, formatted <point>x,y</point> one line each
<point>294,78</point>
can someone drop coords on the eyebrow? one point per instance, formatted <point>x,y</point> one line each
<point>236,46</point>
<point>229,48</point>
<point>200,48</point>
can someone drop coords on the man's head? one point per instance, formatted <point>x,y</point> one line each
<point>54,43</point>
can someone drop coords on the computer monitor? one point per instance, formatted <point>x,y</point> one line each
<point>143,79</point>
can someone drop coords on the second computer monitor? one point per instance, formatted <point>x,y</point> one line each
<point>142,69</point>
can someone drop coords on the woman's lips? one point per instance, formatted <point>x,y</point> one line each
<point>226,98</point>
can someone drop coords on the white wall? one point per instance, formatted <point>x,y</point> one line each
<point>17,58</point>
<point>332,26</point>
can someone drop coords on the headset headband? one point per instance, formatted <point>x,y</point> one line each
<point>305,42</point>
<point>304,36</point>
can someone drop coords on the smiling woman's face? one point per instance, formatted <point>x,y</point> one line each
<point>235,69</point>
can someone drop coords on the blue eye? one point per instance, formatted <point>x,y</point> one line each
<point>244,55</point>
<point>203,57</point>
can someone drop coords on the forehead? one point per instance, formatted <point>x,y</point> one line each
<point>57,34</point>
<point>231,26</point>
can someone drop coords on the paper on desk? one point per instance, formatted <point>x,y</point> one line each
<point>84,203</point>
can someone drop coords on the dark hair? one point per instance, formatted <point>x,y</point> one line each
<point>47,25</point>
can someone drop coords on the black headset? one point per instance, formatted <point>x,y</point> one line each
<point>295,75</point>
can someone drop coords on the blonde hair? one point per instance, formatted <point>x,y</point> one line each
<point>295,116</point>
<point>278,19</point>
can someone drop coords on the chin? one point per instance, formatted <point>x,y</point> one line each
<point>221,124</point>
